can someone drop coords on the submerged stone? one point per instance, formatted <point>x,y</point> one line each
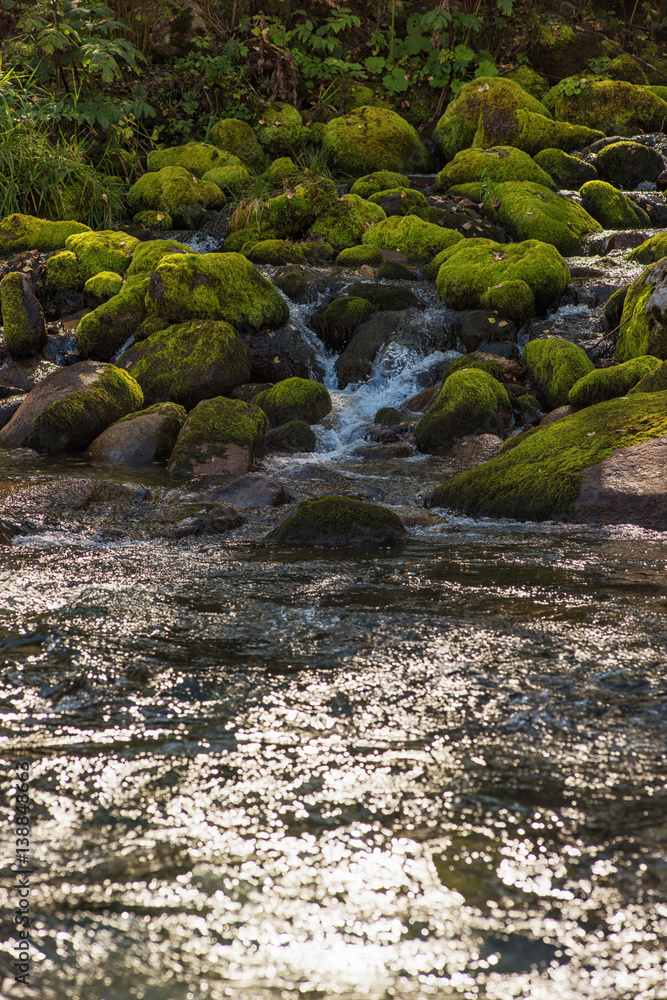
<point>340,522</point>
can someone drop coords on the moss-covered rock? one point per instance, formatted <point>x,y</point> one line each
<point>220,436</point>
<point>470,269</point>
<point>176,192</point>
<point>25,232</point>
<point>234,177</point>
<point>608,383</point>
<point>335,322</point>
<point>282,131</point>
<point>529,211</point>
<point>281,170</point>
<point>340,522</point>
<point>103,251</point>
<point>288,214</point>
<point>71,407</point>
<point>614,107</point>
<point>294,399</point>
<point>292,282</point>
<point>561,49</point>
<point>393,270</point>
<point>644,319</point>
<point>385,297</point>
<point>624,67</point>
<point>276,252</point>
<point>359,255</point>
<point>470,402</point>
<point>373,139</point>
<point>457,126</point>
<point>103,331</point>
<point>318,252</point>
<point>610,207</point>
<point>292,437</point>
<point>195,157</point>
<point>478,360</point>
<point>219,286</point>
<point>541,477</point>
<point>529,132</point>
<point>554,366</point>
<point>654,380</point>
<point>533,82</point>
<point>188,362</point>
<point>152,219</point>
<point>344,224</point>
<point>500,163</point>
<point>381,180</point>
<point>568,172</point>
<point>650,251</point>
<point>627,164</point>
<point>402,201</point>
<point>102,287</point>
<point>418,239</point>
<point>513,299</point>
<point>148,255</point>
<point>145,436</point>
<point>237,137</point>
<point>389,416</point>
<point>63,272</point>
<point>22,316</point>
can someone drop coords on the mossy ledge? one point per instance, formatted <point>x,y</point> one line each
<point>340,522</point>
<point>540,478</point>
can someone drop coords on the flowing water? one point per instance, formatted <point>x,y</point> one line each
<point>271,774</point>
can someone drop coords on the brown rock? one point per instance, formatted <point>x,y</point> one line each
<point>148,436</point>
<point>22,376</point>
<point>625,241</point>
<point>627,487</point>
<point>252,491</point>
<point>377,452</point>
<point>477,450</point>
<point>557,414</point>
<point>421,402</point>
<point>66,493</point>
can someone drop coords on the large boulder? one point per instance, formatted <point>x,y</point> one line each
<point>344,224</point>
<point>470,402</point>
<point>22,316</point>
<point>602,464</point>
<point>102,332</point>
<point>456,128</point>
<point>145,436</point>
<point>516,279</point>
<point>219,437</point>
<point>554,366</point>
<point>237,137</point>
<point>148,255</point>
<point>188,362</point>
<point>340,522</point>
<point>569,172</point>
<point>294,399</point>
<point>644,319</point>
<point>282,130</point>
<point>610,207</point>
<point>627,164</point>
<point>71,407</point>
<point>218,286</point>
<point>108,250</point>
<point>176,193</point>
<point>419,240</point>
<point>529,211</point>
<point>500,163</point>
<point>529,132</point>
<point>373,139</point>
<point>25,232</point>
<point>608,383</point>
<point>613,106</point>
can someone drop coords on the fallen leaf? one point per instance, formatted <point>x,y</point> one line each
<point>502,323</point>
<point>467,225</point>
<point>590,434</point>
<point>261,121</point>
<point>276,360</point>
<point>496,202</point>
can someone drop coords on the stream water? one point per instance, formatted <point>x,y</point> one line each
<point>270,774</point>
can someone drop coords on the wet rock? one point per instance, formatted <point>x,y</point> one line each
<point>385,297</point>
<point>391,270</point>
<point>644,319</point>
<point>22,376</point>
<point>292,437</point>
<point>356,362</point>
<point>191,520</point>
<point>379,452</point>
<point>280,354</point>
<point>340,522</point>
<point>8,407</point>
<point>249,390</point>
<point>553,415</point>
<point>336,322</point>
<point>219,437</point>
<point>389,416</point>
<point>293,283</point>
<point>627,487</point>
<point>475,326</point>
<point>626,164</point>
<point>625,241</point>
<point>47,495</point>
<point>22,316</point>
<point>71,407</point>
<point>477,450</point>
<point>146,436</point>
<point>422,401</point>
<point>252,491</point>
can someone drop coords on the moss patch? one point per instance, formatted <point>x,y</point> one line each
<point>615,107</point>
<point>104,285</point>
<point>237,137</point>
<point>529,211</point>
<point>276,252</point>
<point>148,255</point>
<point>381,180</point>
<point>373,139</point>
<point>282,132</point>
<point>501,163</point>
<point>176,192</point>
<point>470,402</point>
<point>295,399</point>
<point>63,273</point>
<point>539,479</point>
<point>420,240</point>
<point>554,365</point>
<point>344,224</point>
<point>652,250</point>
<point>22,316</point>
<point>529,132</point>
<point>195,157</point>
<point>25,232</point>
<point>292,437</point>
<point>643,328</point>
<point>654,380</point>
<point>610,207</point>
<point>335,322</point>
<point>339,522</point>
<point>567,171</point>
<point>359,255</point>
<point>103,251</point>
<point>608,383</point>
<point>104,331</point>
<point>402,201</point>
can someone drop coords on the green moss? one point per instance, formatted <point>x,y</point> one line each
<point>359,255</point>
<point>293,283</point>
<point>276,252</point>
<point>318,252</point>
<point>211,427</point>
<point>294,399</point>
<point>344,224</point>
<point>232,178</point>
<point>188,362</point>
<point>624,67</point>
<point>529,132</point>
<point>457,126</point>
<point>389,416</point>
<point>335,322</point>
<point>402,201</point>
<point>531,81</point>
<point>468,269</point>
<point>292,437</point>
<point>659,90</point>
<point>104,251</point>
<point>554,365</point>
<point>539,479</point>
<point>152,219</point>
<point>392,270</point>
<point>530,212</point>
<point>173,419</point>
<point>610,207</point>
<point>481,364</point>
<point>608,383</point>
<point>381,180</point>
<point>288,214</point>
<point>626,164</point>
<point>568,172</point>
<point>82,415</point>
<point>148,255</point>
<point>103,331</point>
<point>643,329</point>
<point>195,157</point>
<point>237,137</point>
<point>22,318</point>
<point>470,402</point>
<point>104,285</point>
<point>149,326</point>
<point>373,139</point>
<point>63,273</point>
<point>336,521</point>
<point>220,286</point>
<point>501,163</point>
<point>613,309</point>
<point>281,170</point>
<point>529,404</point>
<point>418,239</point>
<point>652,250</point>
<point>513,299</point>
<point>615,107</point>
<point>176,192</point>
<point>25,232</point>
<point>384,297</point>
<point>475,190</point>
<point>652,381</point>
<point>283,132</point>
